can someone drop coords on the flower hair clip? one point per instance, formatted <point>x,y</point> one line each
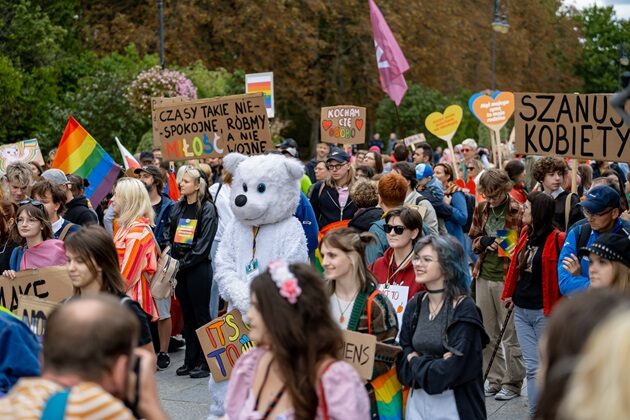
<point>285,280</point>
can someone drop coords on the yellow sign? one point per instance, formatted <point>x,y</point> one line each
<point>444,125</point>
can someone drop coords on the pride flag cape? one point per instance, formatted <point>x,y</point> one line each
<point>78,153</point>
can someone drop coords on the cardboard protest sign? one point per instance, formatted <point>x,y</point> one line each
<point>263,83</point>
<point>34,312</point>
<point>52,284</point>
<point>343,124</point>
<point>494,110</point>
<point>212,127</point>
<point>398,296</point>
<point>359,350</point>
<point>223,340</point>
<point>154,103</point>
<point>570,125</point>
<point>445,125</point>
<point>415,139</point>
<point>23,151</point>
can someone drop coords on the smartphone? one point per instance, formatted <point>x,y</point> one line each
<point>486,241</point>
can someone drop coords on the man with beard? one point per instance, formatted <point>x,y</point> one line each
<point>151,177</point>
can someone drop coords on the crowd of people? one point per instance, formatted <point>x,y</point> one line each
<point>508,273</point>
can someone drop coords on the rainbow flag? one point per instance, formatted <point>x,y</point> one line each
<point>262,83</point>
<point>390,397</point>
<point>509,239</point>
<point>78,153</point>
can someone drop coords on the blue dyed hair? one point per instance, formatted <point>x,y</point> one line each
<point>452,261</point>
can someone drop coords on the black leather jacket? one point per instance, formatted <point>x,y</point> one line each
<point>198,252</point>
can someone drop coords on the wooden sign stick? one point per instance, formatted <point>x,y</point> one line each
<point>574,171</point>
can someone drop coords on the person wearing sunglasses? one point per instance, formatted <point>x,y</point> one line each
<point>33,233</point>
<point>330,198</point>
<point>602,210</point>
<point>403,227</point>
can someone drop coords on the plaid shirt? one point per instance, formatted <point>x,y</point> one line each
<point>513,221</point>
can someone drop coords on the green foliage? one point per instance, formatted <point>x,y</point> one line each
<point>418,103</point>
<point>602,35</point>
<point>217,82</point>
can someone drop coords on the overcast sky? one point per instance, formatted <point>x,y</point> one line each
<point>622,7</point>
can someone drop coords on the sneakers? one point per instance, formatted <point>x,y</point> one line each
<point>505,395</point>
<point>183,370</point>
<point>200,371</point>
<point>163,361</point>
<point>175,344</point>
<point>489,390</point>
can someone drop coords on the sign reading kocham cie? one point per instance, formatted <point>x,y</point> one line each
<point>573,125</point>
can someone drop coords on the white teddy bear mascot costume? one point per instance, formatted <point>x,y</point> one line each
<point>265,194</point>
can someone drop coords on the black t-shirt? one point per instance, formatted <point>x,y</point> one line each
<point>185,231</point>
<point>156,208</point>
<point>528,293</point>
<point>143,318</point>
<point>5,255</point>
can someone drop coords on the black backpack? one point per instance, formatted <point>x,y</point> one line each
<point>470,207</point>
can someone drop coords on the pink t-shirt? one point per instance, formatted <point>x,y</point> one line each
<point>344,389</point>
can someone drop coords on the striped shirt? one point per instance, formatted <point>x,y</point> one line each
<point>86,401</point>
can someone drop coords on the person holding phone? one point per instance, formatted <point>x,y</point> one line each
<point>495,220</point>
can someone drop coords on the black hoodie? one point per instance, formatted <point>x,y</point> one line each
<point>79,213</point>
<point>363,218</point>
<point>462,372</point>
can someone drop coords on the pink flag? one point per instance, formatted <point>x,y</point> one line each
<point>389,58</point>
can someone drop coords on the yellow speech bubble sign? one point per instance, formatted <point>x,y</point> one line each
<point>444,124</point>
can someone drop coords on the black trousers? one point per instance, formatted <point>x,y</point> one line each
<point>193,292</point>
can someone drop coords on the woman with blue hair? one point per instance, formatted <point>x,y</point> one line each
<point>442,337</point>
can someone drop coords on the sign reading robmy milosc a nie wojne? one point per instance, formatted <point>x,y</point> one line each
<point>572,125</point>
<point>212,127</point>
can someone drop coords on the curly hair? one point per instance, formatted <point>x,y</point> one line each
<point>364,193</point>
<point>392,189</point>
<point>548,165</point>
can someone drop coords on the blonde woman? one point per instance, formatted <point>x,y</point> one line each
<point>135,243</point>
<point>599,386</point>
<point>191,229</point>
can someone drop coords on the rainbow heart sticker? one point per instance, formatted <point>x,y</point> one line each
<point>444,124</point>
<point>493,111</point>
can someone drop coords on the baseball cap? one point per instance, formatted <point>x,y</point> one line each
<point>56,176</point>
<point>154,171</point>
<point>147,156</point>
<point>339,156</point>
<point>289,146</point>
<point>423,170</point>
<point>612,246</point>
<point>599,199</point>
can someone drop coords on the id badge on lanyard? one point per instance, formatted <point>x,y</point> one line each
<point>252,269</point>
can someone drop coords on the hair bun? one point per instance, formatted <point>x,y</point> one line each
<point>367,238</point>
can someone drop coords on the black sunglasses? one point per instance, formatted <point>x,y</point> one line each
<point>398,229</point>
<point>35,203</point>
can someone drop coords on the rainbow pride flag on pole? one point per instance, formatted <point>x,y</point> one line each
<point>78,153</point>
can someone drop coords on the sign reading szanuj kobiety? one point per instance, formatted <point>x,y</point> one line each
<point>573,125</point>
<point>223,340</point>
<point>343,124</point>
<point>211,127</point>
<point>52,284</point>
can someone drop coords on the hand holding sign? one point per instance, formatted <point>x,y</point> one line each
<point>493,111</point>
<point>444,125</point>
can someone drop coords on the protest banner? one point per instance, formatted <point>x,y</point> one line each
<point>444,125</point>
<point>223,340</point>
<point>411,141</point>
<point>52,284</point>
<point>23,151</point>
<point>359,350</point>
<point>583,126</point>
<point>263,83</point>
<point>493,111</point>
<point>161,101</point>
<point>212,127</point>
<point>343,124</point>
<point>34,312</point>
<point>398,296</point>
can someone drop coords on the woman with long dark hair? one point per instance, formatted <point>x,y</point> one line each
<point>7,219</point>
<point>294,372</point>
<point>92,263</point>
<point>531,284</point>
<point>442,337</point>
<point>192,225</point>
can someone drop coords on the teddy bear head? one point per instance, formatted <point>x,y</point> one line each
<point>265,188</point>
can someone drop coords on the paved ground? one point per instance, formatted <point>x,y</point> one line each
<point>184,398</point>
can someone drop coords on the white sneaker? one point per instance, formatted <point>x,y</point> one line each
<point>506,395</point>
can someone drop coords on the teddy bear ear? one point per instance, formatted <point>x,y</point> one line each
<point>232,160</point>
<point>294,168</point>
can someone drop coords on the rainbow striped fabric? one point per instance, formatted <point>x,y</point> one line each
<point>508,239</point>
<point>78,153</point>
<point>389,394</point>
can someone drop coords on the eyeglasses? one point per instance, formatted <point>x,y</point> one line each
<point>600,214</point>
<point>398,229</point>
<point>470,168</point>
<point>334,167</point>
<point>421,260</point>
<point>493,196</point>
<point>35,203</point>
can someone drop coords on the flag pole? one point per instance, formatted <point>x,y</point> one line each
<point>400,133</point>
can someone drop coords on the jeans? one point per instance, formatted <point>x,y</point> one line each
<point>530,324</point>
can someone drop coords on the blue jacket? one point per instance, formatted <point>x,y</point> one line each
<point>19,352</point>
<point>161,220</point>
<point>455,224</point>
<point>568,282</point>
<point>306,216</point>
<point>376,250</point>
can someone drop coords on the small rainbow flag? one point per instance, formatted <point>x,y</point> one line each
<point>78,153</point>
<point>390,397</point>
<point>261,83</point>
<point>509,239</point>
